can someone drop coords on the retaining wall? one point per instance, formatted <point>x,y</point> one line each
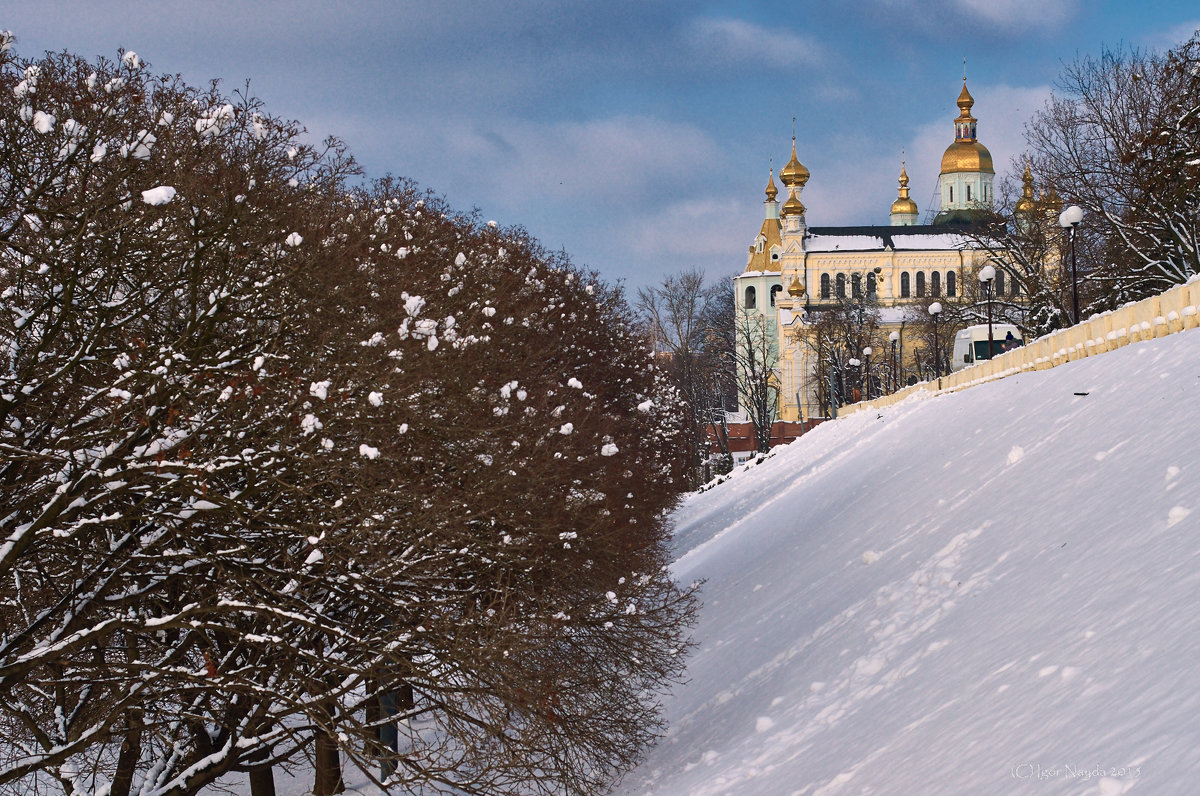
<point>1167,313</point>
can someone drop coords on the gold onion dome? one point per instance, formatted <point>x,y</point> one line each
<point>965,100</point>
<point>795,289</point>
<point>1026,204</point>
<point>793,206</point>
<point>794,172</point>
<point>967,156</point>
<point>904,205</point>
<point>1053,201</point>
<point>772,191</point>
<point>966,153</point>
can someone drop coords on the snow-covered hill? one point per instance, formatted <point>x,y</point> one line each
<point>995,591</point>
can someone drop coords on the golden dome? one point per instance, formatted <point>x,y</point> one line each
<point>793,206</point>
<point>967,156</point>
<point>965,100</point>
<point>1053,201</point>
<point>794,172</point>
<point>796,290</point>
<point>772,191</point>
<point>904,205</point>
<point>1026,204</point>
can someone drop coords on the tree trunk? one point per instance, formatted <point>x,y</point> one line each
<point>262,781</point>
<point>328,764</point>
<point>131,753</point>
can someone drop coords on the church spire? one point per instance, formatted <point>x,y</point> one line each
<point>904,209</point>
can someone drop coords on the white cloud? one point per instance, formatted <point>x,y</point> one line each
<point>611,159</point>
<point>735,40</point>
<point>711,233</point>
<point>1173,36</point>
<point>1021,14</point>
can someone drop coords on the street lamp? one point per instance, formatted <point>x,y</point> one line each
<point>987,276</point>
<point>867,373</point>
<point>854,363</point>
<point>935,309</point>
<point>1069,219</point>
<point>895,338</point>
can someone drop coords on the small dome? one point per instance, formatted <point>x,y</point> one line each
<point>796,290</point>
<point>772,191</point>
<point>794,172</point>
<point>1026,204</point>
<point>965,100</point>
<point>904,205</point>
<point>793,206</point>
<point>967,156</point>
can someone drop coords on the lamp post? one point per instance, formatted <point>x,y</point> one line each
<point>894,337</point>
<point>935,309</point>
<point>867,373</point>
<point>987,277</point>
<point>854,363</point>
<point>1069,219</point>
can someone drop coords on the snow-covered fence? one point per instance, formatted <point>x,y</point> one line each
<point>1171,311</point>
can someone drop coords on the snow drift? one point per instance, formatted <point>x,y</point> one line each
<point>991,591</point>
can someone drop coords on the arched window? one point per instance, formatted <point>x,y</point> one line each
<point>904,285</point>
<point>841,285</point>
<point>999,282</point>
<point>920,284</point>
<point>826,290</point>
<point>1014,288</point>
<point>774,292</point>
<point>750,298</point>
<point>935,284</point>
<point>871,285</point>
<point>968,193</point>
<point>951,194</point>
<point>951,288</point>
<point>856,285</point>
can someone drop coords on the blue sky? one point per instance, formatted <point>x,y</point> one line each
<point>634,134</point>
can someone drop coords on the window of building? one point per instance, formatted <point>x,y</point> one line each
<point>1014,288</point>
<point>904,285</point>
<point>826,290</point>
<point>951,193</point>
<point>935,284</point>
<point>872,285</point>
<point>750,298</point>
<point>920,284</point>
<point>968,193</point>
<point>774,292</point>
<point>999,282</point>
<point>841,285</point>
<point>951,288</point>
<point>856,286</point>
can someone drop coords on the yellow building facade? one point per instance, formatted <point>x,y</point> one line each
<point>794,271</point>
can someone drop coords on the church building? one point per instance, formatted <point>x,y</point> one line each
<point>794,271</point>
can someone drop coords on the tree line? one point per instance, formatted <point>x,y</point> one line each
<point>298,468</point>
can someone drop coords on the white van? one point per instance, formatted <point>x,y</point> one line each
<point>971,344</point>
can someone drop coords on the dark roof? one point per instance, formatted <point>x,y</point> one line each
<point>888,232</point>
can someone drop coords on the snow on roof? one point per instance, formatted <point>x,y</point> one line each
<point>943,241</point>
<point>894,314</point>
<point>845,243</point>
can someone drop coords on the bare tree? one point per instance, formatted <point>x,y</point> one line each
<point>292,468</point>
<point>1120,139</point>
<point>683,317</point>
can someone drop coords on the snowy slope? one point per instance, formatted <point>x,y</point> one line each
<point>990,592</point>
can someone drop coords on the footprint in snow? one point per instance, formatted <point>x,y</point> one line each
<point>1177,515</point>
